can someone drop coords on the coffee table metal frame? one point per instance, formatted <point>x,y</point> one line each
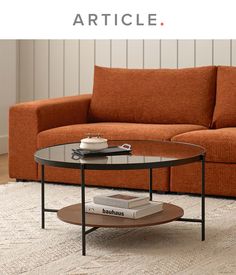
<point>129,166</point>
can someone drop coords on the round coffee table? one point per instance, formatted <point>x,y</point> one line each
<point>145,155</point>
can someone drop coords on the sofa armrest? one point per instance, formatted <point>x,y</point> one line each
<point>26,120</point>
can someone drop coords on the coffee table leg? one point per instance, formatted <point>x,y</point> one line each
<point>42,198</point>
<point>202,220</point>
<point>203,198</point>
<point>83,210</point>
<point>150,184</point>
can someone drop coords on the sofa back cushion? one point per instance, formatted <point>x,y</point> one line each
<point>225,108</point>
<point>161,96</point>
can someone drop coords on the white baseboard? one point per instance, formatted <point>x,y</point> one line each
<point>3,144</point>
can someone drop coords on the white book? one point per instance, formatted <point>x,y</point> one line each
<point>134,213</point>
<point>121,200</point>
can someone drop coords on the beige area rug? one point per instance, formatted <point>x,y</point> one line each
<point>173,248</point>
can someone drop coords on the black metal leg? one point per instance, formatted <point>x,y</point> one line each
<point>42,198</point>
<point>202,220</point>
<point>203,198</point>
<point>83,210</point>
<point>150,184</point>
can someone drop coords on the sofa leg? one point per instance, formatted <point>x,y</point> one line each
<point>18,180</point>
<point>162,192</point>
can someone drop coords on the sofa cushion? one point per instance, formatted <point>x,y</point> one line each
<point>220,144</point>
<point>125,131</point>
<point>225,108</point>
<point>184,96</point>
<point>219,178</point>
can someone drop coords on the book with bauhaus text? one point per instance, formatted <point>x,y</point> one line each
<point>134,213</point>
<point>121,200</point>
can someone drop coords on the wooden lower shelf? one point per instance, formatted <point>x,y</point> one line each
<point>72,214</point>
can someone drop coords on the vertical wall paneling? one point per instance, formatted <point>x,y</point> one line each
<point>17,71</point>
<point>26,70</point>
<point>135,54</point>
<point>169,54</point>
<point>87,59</point>
<point>186,54</point>
<point>204,52</point>
<point>8,84</point>
<point>71,73</point>
<point>152,54</point>
<point>118,53</point>
<point>222,52</point>
<point>233,57</point>
<point>55,68</point>
<point>103,53</point>
<point>41,69</point>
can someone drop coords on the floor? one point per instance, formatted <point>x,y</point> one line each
<point>4,178</point>
<point>172,248</point>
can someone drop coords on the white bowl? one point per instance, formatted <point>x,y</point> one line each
<point>93,143</point>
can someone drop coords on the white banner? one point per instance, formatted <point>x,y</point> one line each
<point>101,19</point>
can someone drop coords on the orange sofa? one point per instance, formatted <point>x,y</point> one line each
<point>195,105</point>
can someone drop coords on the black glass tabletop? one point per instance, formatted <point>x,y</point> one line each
<point>145,154</point>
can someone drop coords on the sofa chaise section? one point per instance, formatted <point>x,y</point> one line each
<point>220,145</point>
<point>219,141</point>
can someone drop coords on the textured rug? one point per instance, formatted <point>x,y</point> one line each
<point>173,248</point>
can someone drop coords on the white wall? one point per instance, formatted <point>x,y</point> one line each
<point>53,68</point>
<point>8,89</point>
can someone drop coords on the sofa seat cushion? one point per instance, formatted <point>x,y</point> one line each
<point>124,131</point>
<point>225,111</point>
<point>161,96</point>
<point>220,144</point>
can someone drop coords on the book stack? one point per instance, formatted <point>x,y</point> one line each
<point>124,206</point>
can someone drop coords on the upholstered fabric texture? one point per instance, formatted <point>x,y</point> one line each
<point>26,120</point>
<point>113,130</point>
<point>220,144</point>
<point>166,104</point>
<point>220,178</point>
<point>185,96</point>
<point>134,179</point>
<point>225,110</point>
